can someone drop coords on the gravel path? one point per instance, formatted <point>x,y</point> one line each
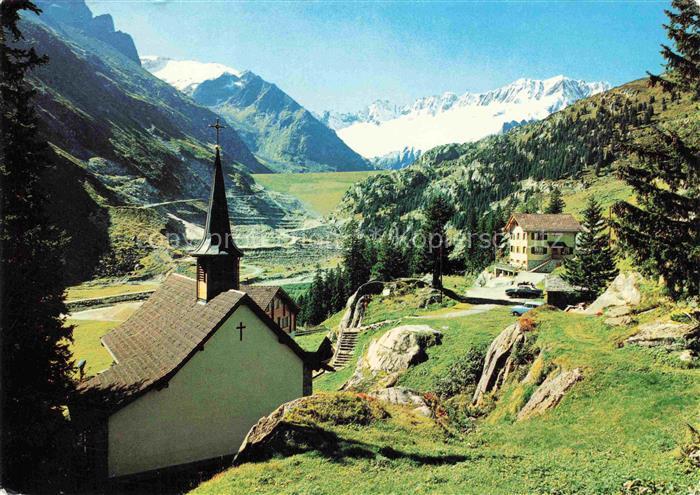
<point>474,310</point>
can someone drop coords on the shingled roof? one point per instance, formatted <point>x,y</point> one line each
<point>546,222</point>
<point>166,331</point>
<point>263,294</point>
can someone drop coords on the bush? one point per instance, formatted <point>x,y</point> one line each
<point>464,374</point>
<point>526,324</point>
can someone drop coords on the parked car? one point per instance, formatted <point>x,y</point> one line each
<point>524,292</point>
<point>521,309</point>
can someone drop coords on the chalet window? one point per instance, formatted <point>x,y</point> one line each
<point>538,250</point>
<point>201,274</point>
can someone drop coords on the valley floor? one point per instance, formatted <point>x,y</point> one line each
<point>626,420</point>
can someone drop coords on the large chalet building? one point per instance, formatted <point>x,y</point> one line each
<point>539,242</point>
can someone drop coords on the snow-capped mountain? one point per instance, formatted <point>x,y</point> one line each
<point>185,75</point>
<point>275,127</point>
<point>382,129</point>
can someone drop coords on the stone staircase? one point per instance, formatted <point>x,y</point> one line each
<point>345,348</point>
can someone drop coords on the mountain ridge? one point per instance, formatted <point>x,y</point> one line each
<point>130,152</point>
<point>490,177</point>
<point>280,131</point>
<point>383,128</point>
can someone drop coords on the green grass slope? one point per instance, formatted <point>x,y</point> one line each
<point>624,421</point>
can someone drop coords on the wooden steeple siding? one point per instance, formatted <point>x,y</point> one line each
<point>218,257</point>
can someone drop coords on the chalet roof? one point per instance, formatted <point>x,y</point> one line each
<point>217,239</point>
<point>546,222</point>
<point>263,294</point>
<point>165,332</point>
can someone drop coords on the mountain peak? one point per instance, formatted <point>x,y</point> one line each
<point>186,75</point>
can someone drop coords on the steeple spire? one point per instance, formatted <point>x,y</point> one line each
<point>218,257</point>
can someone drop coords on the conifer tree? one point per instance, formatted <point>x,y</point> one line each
<point>357,266</point>
<point>683,64</point>
<point>36,366</point>
<point>435,245</point>
<point>662,230</point>
<point>390,263</point>
<point>556,202</point>
<point>593,264</point>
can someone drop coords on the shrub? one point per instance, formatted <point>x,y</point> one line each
<point>464,374</point>
<point>527,324</point>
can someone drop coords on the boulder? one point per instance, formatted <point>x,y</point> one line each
<point>499,363</point>
<point>623,291</point>
<point>404,397</point>
<point>394,352</point>
<point>260,434</point>
<point>401,347</point>
<point>686,356</point>
<point>549,393</point>
<point>667,333</point>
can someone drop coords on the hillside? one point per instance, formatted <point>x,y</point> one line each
<point>121,139</point>
<point>282,133</point>
<point>620,429</point>
<point>577,144</point>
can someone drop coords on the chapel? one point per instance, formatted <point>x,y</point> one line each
<point>195,366</point>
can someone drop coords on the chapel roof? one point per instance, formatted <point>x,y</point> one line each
<point>165,332</point>
<point>545,222</point>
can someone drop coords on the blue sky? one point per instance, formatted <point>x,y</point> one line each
<point>343,55</point>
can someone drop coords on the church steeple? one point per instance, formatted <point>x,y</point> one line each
<point>218,257</point>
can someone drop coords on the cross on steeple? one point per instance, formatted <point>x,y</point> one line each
<point>218,128</point>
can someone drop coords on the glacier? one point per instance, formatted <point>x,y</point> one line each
<point>382,128</point>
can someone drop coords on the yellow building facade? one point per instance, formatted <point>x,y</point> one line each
<point>540,241</point>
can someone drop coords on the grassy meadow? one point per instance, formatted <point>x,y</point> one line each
<point>319,192</point>
<point>626,420</point>
<point>86,344</point>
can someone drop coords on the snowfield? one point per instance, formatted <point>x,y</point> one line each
<point>382,128</point>
<point>185,75</point>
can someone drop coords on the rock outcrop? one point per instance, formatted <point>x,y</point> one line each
<point>669,334</point>
<point>404,397</point>
<point>394,352</point>
<point>549,393</point>
<point>354,308</point>
<point>263,431</point>
<point>401,347</point>
<point>499,360</point>
<point>623,291</point>
<point>619,316</point>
